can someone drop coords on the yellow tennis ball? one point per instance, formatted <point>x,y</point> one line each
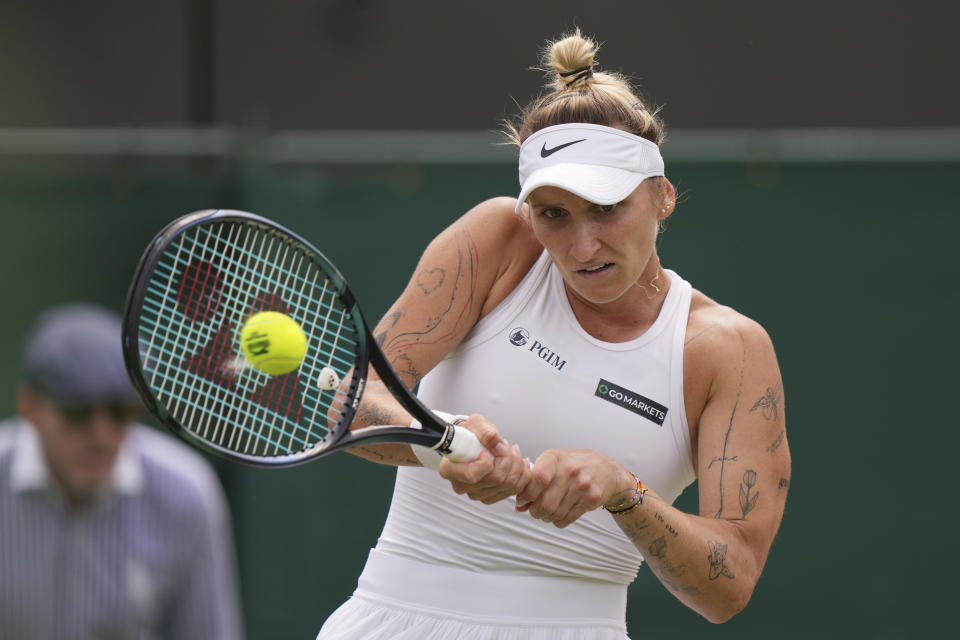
<point>273,342</point>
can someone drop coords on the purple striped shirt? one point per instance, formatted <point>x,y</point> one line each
<point>150,557</point>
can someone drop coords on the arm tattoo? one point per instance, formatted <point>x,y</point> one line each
<point>370,414</point>
<point>718,561</point>
<point>370,411</point>
<point>776,443</point>
<point>377,456</point>
<point>403,365</point>
<point>430,280</point>
<point>658,548</point>
<point>770,402</point>
<point>668,572</point>
<point>392,319</point>
<point>666,525</point>
<point>632,529</point>
<point>733,414</point>
<point>730,459</point>
<point>747,503</point>
<point>373,453</point>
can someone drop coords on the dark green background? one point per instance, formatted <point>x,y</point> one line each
<point>850,267</point>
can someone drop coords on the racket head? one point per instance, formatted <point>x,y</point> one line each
<point>195,286</point>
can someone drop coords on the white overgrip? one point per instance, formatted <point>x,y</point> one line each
<point>464,446</point>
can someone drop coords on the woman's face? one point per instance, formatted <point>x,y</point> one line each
<point>601,250</point>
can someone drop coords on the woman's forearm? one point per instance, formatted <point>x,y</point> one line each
<point>705,562</point>
<point>379,407</point>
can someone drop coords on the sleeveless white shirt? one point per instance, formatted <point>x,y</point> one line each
<point>531,369</point>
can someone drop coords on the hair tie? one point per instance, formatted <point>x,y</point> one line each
<point>581,73</point>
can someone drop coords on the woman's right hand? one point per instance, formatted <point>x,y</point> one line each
<point>566,483</point>
<point>500,472</point>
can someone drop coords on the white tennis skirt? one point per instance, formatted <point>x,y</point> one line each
<point>402,599</point>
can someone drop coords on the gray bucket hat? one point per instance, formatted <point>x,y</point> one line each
<point>73,355</point>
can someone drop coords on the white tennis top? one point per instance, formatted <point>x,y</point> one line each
<point>531,369</point>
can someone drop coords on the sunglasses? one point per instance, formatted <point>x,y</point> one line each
<point>80,416</point>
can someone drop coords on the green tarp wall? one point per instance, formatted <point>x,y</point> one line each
<point>850,267</point>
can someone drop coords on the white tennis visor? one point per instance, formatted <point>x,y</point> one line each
<point>600,164</point>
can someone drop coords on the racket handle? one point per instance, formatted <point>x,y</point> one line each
<point>464,446</point>
<point>459,444</point>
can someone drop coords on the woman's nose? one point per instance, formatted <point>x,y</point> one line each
<point>585,242</point>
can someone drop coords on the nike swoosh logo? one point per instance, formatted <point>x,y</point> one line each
<point>544,152</point>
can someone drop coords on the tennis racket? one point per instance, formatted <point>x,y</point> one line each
<point>195,286</point>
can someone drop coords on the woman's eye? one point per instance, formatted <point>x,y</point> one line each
<point>607,208</point>
<point>552,213</point>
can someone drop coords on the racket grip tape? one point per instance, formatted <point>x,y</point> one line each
<point>463,446</point>
<point>459,444</point>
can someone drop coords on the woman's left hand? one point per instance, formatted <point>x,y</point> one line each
<point>566,483</point>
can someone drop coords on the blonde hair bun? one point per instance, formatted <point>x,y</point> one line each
<point>578,92</point>
<point>571,60</point>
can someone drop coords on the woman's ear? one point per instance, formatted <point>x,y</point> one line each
<point>668,198</point>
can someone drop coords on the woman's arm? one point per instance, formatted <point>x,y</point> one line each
<point>463,274</point>
<point>711,561</point>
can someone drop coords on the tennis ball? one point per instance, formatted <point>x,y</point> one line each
<point>273,342</point>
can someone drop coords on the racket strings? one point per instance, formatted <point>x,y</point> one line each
<point>206,284</point>
<point>198,296</point>
<point>340,348</point>
<point>197,392</point>
<point>275,394</point>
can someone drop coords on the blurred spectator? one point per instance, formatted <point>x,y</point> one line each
<point>108,529</point>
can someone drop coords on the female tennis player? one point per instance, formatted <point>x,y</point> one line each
<point>600,382</point>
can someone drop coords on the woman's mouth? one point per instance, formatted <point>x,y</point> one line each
<point>597,268</point>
